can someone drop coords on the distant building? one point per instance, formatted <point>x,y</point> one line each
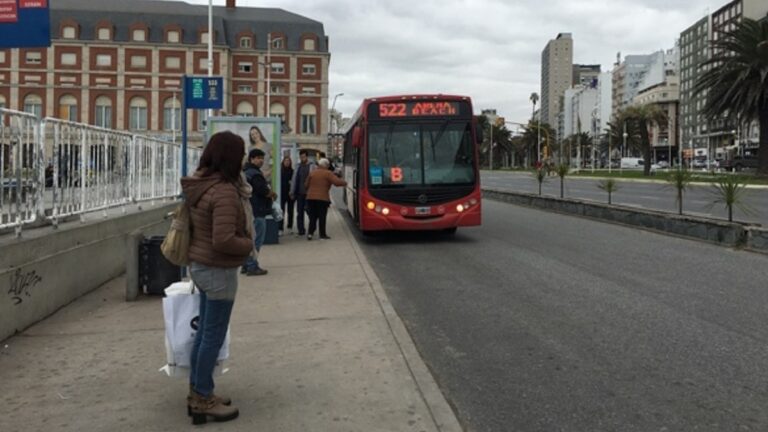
<point>586,75</point>
<point>119,64</point>
<point>556,76</point>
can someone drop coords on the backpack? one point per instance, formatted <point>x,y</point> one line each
<point>175,247</point>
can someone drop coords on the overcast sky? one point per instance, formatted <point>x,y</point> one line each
<point>487,49</point>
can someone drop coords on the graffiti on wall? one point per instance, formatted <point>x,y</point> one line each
<point>22,284</point>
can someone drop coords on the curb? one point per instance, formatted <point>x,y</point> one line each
<point>444,418</point>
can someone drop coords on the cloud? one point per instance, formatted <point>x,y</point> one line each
<point>487,49</point>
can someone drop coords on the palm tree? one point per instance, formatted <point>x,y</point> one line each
<point>736,79</point>
<point>639,118</point>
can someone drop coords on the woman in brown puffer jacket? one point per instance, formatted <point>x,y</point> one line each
<point>221,240</point>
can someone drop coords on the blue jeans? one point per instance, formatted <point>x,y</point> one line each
<point>217,293</point>
<point>260,231</point>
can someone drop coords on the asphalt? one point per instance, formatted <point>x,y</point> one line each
<point>699,200</point>
<point>316,346</point>
<point>544,322</point>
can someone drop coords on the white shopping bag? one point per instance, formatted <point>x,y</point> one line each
<point>181,307</point>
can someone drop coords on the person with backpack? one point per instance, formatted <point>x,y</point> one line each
<point>261,203</point>
<point>221,237</point>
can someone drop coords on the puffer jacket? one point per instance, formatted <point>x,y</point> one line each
<point>219,238</point>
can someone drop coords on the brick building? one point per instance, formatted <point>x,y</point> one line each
<point>119,64</point>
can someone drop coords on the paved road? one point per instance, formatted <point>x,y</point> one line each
<point>543,322</point>
<point>698,201</point>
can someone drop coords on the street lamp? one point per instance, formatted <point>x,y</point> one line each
<point>623,147</point>
<point>330,120</point>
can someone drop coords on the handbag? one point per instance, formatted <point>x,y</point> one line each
<point>175,246</point>
<point>181,308</point>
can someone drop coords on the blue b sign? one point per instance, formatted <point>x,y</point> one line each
<point>204,92</point>
<point>25,24</point>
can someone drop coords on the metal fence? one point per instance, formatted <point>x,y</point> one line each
<point>53,169</point>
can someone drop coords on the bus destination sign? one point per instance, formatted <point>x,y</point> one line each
<point>418,109</point>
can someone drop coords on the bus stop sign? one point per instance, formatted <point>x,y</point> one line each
<point>25,24</point>
<point>203,92</point>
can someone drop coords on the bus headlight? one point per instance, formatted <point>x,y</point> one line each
<point>385,211</point>
<point>460,208</point>
<point>371,205</point>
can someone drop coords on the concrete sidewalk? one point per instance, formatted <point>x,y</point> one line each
<point>316,346</point>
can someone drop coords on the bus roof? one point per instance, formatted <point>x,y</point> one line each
<point>386,99</point>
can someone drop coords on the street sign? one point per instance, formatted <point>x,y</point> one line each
<point>25,24</point>
<point>203,92</point>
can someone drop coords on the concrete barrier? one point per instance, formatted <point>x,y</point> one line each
<point>49,268</point>
<point>710,230</point>
<point>757,240</point>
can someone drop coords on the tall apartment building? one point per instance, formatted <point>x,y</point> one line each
<point>119,64</point>
<point>696,49</point>
<point>634,74</point>
<point>556,76</point>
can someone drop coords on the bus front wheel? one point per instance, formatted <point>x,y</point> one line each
<point>450,231</point>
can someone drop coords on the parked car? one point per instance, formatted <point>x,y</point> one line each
<point>739,163</point>
<point>662,164</point>
<point>632,162</point>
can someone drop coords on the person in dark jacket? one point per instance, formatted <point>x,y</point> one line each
<point>299,190</point>
<point>221,238</point>
<point>261,203</point>
<point>286,203</point>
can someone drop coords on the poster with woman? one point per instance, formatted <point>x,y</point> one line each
<point>257,132</point>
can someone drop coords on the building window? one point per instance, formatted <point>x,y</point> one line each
<point>2,56</point>
<point>245,67</point>
<point>69,32</point>
<point>309,69</point>
<point>171,114</point>
<point>308,119</point>
<point>33,104</point>
<point>68,108</point>
<point>204,38</point>
<point>103,112</point>
<point>245,89</point>
<point>309,90</point>
<point>69,59</point>
<point>310,45</point>
<point>276,89</point>
<point>245,42</point>
<point>104,34</point>
<point>244,109</point>
<point>138,61</point>
<point>2,101</point>
<point>278,68</point>
<point>277,43</point>
<point>138,114</point>
<point>173,63</point>
<point>277,110</point>
<point>103,60</point>
<point>34,57</point>
<point>173,36</point>
<point>204,63</point>
<point>139,35</point>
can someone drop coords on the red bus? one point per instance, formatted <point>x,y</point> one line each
<point>411,164</point>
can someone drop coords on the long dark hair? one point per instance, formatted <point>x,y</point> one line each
<point>223,154</point>
<point>261,135</point>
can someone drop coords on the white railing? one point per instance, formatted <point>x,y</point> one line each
<point>53,169</point>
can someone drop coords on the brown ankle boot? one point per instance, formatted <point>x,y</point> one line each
<point>222,400</point>
<point>202,408</point>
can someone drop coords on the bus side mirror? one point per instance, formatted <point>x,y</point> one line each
<point>478,133</point>
<point>357,137</point>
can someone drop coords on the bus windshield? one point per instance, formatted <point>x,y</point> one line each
<point>414,154</point>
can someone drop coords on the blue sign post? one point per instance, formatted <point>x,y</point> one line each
<point>199,93</point>
<point>25,24</point>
